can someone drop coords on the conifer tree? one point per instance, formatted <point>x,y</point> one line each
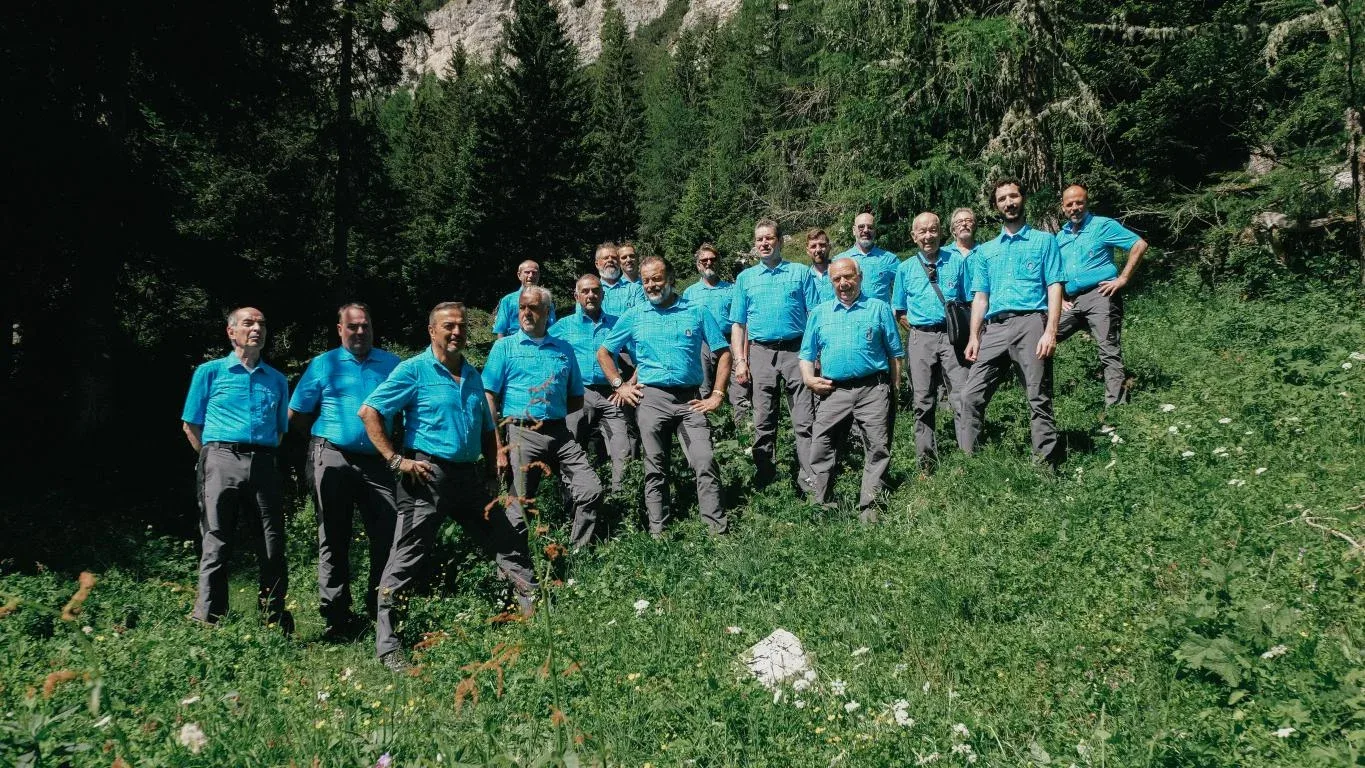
<point>615,139</point>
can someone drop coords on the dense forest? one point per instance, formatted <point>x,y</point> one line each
<point>169,161</point>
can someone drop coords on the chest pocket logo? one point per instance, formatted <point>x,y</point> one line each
<point>868,334</point>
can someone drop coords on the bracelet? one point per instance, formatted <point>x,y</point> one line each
<point>395,462</point>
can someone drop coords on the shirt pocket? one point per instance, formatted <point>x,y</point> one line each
<point>1028,268</point>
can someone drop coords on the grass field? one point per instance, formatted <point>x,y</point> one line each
<point>1182,593</point>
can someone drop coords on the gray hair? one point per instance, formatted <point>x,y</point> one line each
<point>857,269</point>
<point>538,290</point>
<point>963,209</point>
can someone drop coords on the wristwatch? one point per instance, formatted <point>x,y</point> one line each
<point>616,382</point>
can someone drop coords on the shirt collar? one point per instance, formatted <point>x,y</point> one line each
<point>781,265</point>
<point>938,262</point>
<point>1085,222</point>
<point>1022,234</point>
<point>233,361</point>
<point>430,355</point>
<point>858,303</point>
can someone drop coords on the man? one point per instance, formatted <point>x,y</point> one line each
<point>587,330</point>
<point>931,357</point>
<point>667,335</point>
<point>533,380</point>
<point>235,413</point>
<point>768,313</point>
<point>716,295</point>
<point>1094,287</point>
<point>877,264</point>
<point>618,294</point>
<point>817,249</point>
<point>447,426</point>
<point>505,322</point>
<point>344,470</point>
<point>630,268</point>
<point>962,226</point>
<point>1015,311</point>
<point>854,338</point>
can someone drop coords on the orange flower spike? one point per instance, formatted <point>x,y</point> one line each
<point>73,606</point>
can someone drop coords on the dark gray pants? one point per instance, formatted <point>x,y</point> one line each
<point>934,362</point>
<point>342,481</point>
<point>775,368</point>
<point>599,415</point>
<point>865,404</point>
<point>231,481</point>
<point>456,490</point>
<point>1103,317</point>
<point>1016,340</point>
<point>553,447</point>
<point>736,393</point>
<point>663,411</point>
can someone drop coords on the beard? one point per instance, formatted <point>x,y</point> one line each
<point>664,295</point>
<point>709,274</point>
<point>610,274</point>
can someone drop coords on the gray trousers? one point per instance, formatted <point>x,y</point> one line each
<point>552,447</point>
<point>456,490</point>
<point>865,404</point>
<point>933,361</point>
<point>775,368</point>
<point>342,481</point>
<point>736,393</point>
<point>599,415</point>
<point>1014,339</point>
<point>663,411</point>
<point>231,481</point>
<point>1103,317</point>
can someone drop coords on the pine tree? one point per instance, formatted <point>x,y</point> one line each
<point>615,140</point>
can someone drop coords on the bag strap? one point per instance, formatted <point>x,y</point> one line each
<point>933,283</point>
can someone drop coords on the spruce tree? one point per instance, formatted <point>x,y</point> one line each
<point>615,138</point>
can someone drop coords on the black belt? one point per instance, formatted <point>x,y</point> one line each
<point>533,424</point>
<point>349,454</point>
<point>785,345</point>
<point>688,391</point>
<point>437,460</point>
<point>880,377</point>
<point>1003,316</point>
<point>601,389</point>
<point>935,328</point>
<point>242,447</point>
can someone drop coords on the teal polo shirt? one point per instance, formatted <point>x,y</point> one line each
<point>506,322</point>
<point>879,270</point>
<point>235,405</point>
<point>585,335</point>
<point>824,287</point>
<point>772,302</point>
<point>1017,269</point>
<point>716,299</point>
<point>852,341</point>
<point>1088,252</point>
<point>334,386</point>
<point>667,342</point>
<point>443,415</point>
<point>970,259</point>
<point>619,298</point>
<point>534,377</point>
<point>915,296</point>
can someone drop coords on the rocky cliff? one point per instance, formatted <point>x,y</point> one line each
<point>478,25</point>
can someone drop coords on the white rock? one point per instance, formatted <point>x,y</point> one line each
<point>776,658</point>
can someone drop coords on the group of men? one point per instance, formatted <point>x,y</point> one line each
<point>635,364</point>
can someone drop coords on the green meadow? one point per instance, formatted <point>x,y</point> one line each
<point>1185,591</point>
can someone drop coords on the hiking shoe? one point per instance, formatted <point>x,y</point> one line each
<point>285,621</point>
<point>395,661</point>
<point>343,629</point>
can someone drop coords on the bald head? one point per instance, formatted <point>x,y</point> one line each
<point>528,272</point>
<point>865,231</point>
<point>925,231</point>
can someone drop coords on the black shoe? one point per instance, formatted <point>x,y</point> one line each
<point>396,661</point>
<point>343,629</point>
<point>285,621</point>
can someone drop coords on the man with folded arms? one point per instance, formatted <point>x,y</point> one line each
<point>447,428</point>
<point>532,380</point>
<point>235,413</point>
<point>932,359</point>
<point>854,339</point>
<point>344,470</point>
<point>1014,319</point>
<point>666,334</point>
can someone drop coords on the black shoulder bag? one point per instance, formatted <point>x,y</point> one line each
<point>957,315</point>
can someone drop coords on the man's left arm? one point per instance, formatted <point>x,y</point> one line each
<point>1047,343</point>
<point>1120,236</point>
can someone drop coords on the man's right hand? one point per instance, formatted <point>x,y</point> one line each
<point>820,385</point>
<point>419,469</point>
<point>741,372</point>
<point>973,347</point>
<point>627,394</point>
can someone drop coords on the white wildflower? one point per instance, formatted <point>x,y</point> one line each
<point>837,687</point>
<point>641,606</point>
<point>192,738</point>
<point>1186,454</point>
<point>87,629</point>
<point>899,668</point>
<point>960,731</point>
<point>104,721</point>
<point>189,701</point>
<point>1237,482</point>
<point>1167,407</point>
<point>966,751</point>
<point>851,707</point>
<point>861,651</point>
<point>1220,451</point>
<point>810,675</point>
<point>925,687</point>
<point>571,583</point>
<point>733,630</point>
<point>346,674</point>
<point>1173,429</point>
<point>324,695</point>
<point>1112,463</point>
<point>900,710</point>
<point>1275,652</point>
<point>1357,355</point>
<point>1106,429</point>
<point>1285,732</point>
<point>1114,439</point>
<point>801,685</point>
<point>1225,420</point>
<point>1261,470</point>
<point>1345,366</point>
<point>926,759</point>
<point>799,703</point>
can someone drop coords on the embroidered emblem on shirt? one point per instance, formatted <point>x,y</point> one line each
<point>688,332</point>
<point>868,334</point>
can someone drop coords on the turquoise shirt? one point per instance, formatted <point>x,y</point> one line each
<point>915,296</point>
<point>773,302</point>
<point>717,300</point>
<point>586,335</point>
<point>534,377</point>
<point>506,322</point>
<point>824,287</point>
<point>1017,271</point>
<point>334,386</point>
<point>852,341</point>
<point>879,270</point>
<point>1088,255</point>
<point>617,299</point>
<point>970,260</point>
<point>443,415</point>
<point>667,342</point>
<point>235,405</point>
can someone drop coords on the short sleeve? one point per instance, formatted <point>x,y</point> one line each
<point>739,305</point>
<point>890,335</point>
<point>711,329</point>
<point>620,335</point>
<point>898,289</point>
<point>981,273</point>
<point>197,399</point>
<point>575,374</point>
<point>1117,235</point>
<point>308,392</point>
<point>485,412</point>
<point>810,340</point>
<point>495,369</point>
<point>282,409</point>
<point>1052,263</point>
<point>551,320</point>
<point>810,290</point>
<point>394,394</point>
<point>502,324</point>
